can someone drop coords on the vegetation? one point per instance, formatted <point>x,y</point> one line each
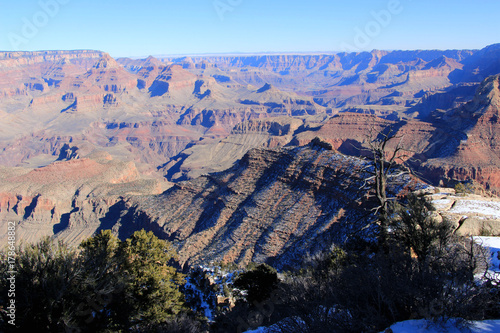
<point>461,188</point>
<point>108,285</point>
<point>258,283</point>
<point>383,171</point>
<point>422,270</point>
<point>46,286</point>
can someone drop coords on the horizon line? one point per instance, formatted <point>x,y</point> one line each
<point>244,53</point>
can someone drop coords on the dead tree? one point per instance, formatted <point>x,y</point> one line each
<point>384,171</point>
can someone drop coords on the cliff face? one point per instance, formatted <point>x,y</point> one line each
<point>474,151</point>
<point>75,93</point>
<point>23,73</point>
<point>344,79</point>
<point>69,199</point>
<point>83,58</point>
<point>84,97</point>
<point>341,61</point>
<point>273,205</point>
<point>84,137</point>
<point>479,66</point>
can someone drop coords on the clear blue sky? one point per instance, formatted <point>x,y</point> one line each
<point>147,27</point>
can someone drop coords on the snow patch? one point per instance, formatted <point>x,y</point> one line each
<point>423,326</point>
<point>258,330</point>
<point>493,243</point>
<point>442,203</point>
<point>486,208</point>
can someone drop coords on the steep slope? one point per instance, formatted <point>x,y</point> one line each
<point>212,155</point>
<point>273,205</point>
<point>480,65</point>
<point>349,133</point>
<point>474,152</point>
<point>344,79</point>
<point>457,145</point>
<point>70,199</point>
<point>188,117</point>
<point>148,114</point>
<point>25,73</point>
<point>344,61</point>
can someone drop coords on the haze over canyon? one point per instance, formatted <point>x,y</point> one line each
<point>235,158</point>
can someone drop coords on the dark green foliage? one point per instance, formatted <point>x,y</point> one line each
<point>423,271</point>
<point>153,286</point>
<point>181,323</point>
<point>46,277</point>
<point>108,286</point>
<point>200,291</point>
<point>461,188</point>
<point>103,288</point>
<point>416,229</point>
<point>258,282</point>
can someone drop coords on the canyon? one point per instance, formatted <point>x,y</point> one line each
<point>235,158</point>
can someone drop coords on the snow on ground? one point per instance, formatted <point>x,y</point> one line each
<point>424,326</point>
<point>486,208</point>
<point>258,330</point>
<point>200,296</point>
<point>494,244</point>
<point>442,204</point>
<point>421,326</point>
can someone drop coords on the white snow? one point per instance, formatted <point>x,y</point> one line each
<point>258,330</point>
<point>424,326</point>
<point>487,208</point>
<point>493,243</point>
<point>203,304</point>
<point>442,203</point>
<point>421,326</point>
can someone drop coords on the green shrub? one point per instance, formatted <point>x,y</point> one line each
<point>258,282</point>
<point>460,188</point>
<point>107,286</point>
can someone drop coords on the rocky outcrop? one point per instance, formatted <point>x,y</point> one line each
<point>273,205</point>
<point>70,199</point>
<point>341,61</point>
<point>273,126</point>
<point>172,78</point>
<point>479,66</point>
<point>25,73</point>
<point>9,60</point>
<point>350,133</point>
<point>457,145</point>
<point>332,77</point>
<point>471,215</point>
<point>106,74</point>
<point>221,152</point>
<point>474,149</point>
<point>117,127</point>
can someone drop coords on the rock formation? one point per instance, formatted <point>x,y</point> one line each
<point>273,205</point>
<point>473,150</point>
<point>88,142</point>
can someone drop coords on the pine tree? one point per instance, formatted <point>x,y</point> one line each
<point>152,290</point>
<point>108,285</point>
<point>45,286</point>
<point>259,283</point>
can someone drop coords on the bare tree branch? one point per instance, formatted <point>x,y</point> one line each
<point>382,169</point>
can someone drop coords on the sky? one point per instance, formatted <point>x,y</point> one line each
<point>188,27</point>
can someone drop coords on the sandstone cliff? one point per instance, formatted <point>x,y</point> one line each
<point>69,199</point>
<point>84,137</point>
<point>473,150</point>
